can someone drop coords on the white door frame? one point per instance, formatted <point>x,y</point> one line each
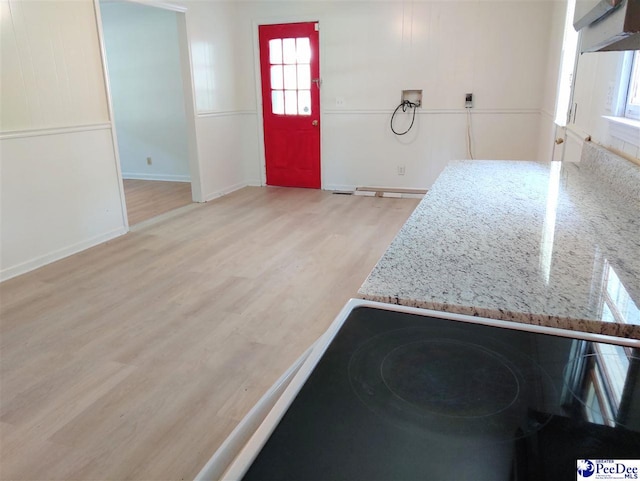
<point>258,85</point>
<point>195,167</point>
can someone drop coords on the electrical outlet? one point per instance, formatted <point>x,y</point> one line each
<point>468,101</point>
<point>401,170</point>
<point>149,161</point>
<point>609,100</point>
<point>339,101</point>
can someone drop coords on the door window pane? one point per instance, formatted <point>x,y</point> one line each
<point>276,77</point>
<point>290,102</point>
<point>289,50</point>
<point>290,77</point>
<point>304,102</point>
<point>303,50</point>
<point>304,77</point>
<point>275,50</point>
<point>277,102</point>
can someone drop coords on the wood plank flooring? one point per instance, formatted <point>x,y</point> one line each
<point>136,358</point>
<point>146,199</point>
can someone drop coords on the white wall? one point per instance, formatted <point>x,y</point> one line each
<point>59,196</point>
<point>51,68</point>
<point>370,51</point>
<point>551,81</point>
<point>226,129</point>
<point>60,191</point>
<point>143,57</point>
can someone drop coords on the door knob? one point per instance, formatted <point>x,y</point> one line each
<point>559,140</point>
<point>314,123</point>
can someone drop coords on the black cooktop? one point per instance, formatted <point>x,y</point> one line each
<point>398,396</point>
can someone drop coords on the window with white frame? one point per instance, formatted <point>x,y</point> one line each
<point>632,107</point>
<point>624,123</point>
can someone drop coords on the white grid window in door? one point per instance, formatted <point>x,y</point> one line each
<point>290,60</point>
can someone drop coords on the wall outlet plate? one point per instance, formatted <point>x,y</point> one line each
<point>468,101</point>
<point>609,99</point>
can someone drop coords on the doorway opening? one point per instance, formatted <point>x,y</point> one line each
<point>145,56</point>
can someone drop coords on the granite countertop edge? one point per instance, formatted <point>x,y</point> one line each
<point>592,326</point>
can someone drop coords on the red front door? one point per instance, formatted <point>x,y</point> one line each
<point>290,73</point>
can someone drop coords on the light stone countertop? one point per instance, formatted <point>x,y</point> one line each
<point>546,244</point>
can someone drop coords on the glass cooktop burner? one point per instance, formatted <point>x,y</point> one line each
<point>435,378</point>
<point>402,396</point>
<point>421,381</point>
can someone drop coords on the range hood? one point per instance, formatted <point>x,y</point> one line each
<point>608,25</point>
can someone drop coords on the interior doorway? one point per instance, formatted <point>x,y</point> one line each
<point>144,53</point>
<point>147,199</point>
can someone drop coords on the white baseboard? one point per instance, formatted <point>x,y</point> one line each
<point>163,177</point>
<point>14,271</point>
<point>254,183</point>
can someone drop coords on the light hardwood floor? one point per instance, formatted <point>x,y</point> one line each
<point>136,358</point>
<point>146,199</point>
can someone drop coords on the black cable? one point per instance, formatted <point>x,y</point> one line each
<point>404,105</point>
